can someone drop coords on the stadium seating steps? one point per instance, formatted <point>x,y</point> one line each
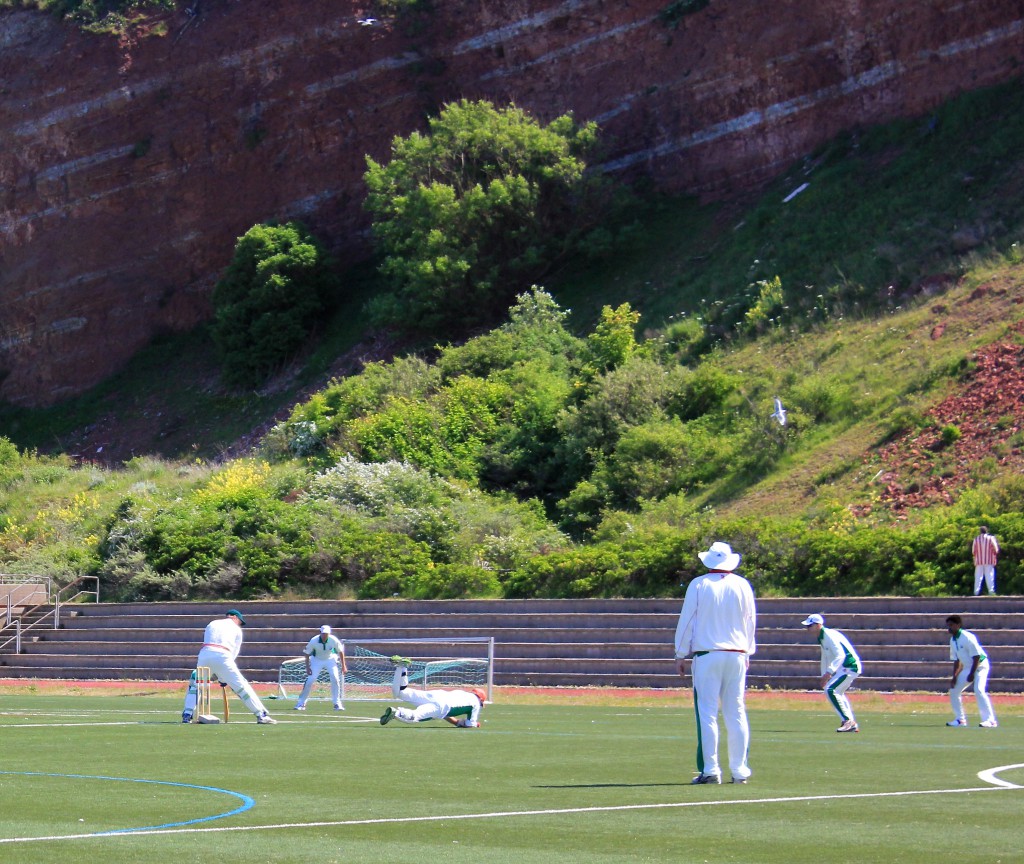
<point>566,643</point>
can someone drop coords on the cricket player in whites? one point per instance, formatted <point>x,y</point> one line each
<point>459,707</point>
<point>970,666</point>
<point>840,667</point>
<point>222,641</point>
<point>323,652</point>
<point>716,632</point>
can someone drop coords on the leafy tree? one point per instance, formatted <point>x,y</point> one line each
<point>269,299</point>
<point>477,209</point>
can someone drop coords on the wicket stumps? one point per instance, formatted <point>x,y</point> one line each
<point>204,709</point>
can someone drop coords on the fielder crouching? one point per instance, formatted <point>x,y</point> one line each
<point>459,707</point>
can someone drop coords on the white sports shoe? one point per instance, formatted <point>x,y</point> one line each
<point>339,707</point>
<point>849,726</point>
<point>960,721</point>
<point>988,724</point>
<point>300,707</point>
<point>266,719</point>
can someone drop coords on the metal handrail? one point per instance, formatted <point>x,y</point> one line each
<point>22,579</point>
<point>58,600</point>
<point>12,580</point>
<point>16,637</point>
<point>54,612</point>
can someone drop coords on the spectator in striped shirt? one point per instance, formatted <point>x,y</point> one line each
<point>985,550</point>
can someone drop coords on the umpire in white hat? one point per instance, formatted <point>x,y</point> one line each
<point>716,632</point>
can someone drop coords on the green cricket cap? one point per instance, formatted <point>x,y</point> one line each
<point>238,615</point>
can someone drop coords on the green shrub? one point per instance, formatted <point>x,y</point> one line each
<point>455,581</point>
<point>469,214</point>
<point>685,337</point>
<point>270,297</point>
<point>704,390</point>
<point>614,338</point>
<point>825,399</point>
<point>766,307</point>
<point>950,434</point>
<point>662,457</point>
<point>108,16</point>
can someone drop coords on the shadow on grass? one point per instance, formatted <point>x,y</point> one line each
<point>609,785</point>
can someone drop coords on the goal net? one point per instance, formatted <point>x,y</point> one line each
<point>450,663</point>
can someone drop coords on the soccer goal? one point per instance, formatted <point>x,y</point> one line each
<point>451,663</point>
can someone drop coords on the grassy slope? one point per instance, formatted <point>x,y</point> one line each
<point>887,363</point>
<point>883,208</point>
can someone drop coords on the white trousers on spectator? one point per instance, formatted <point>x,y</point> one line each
<point>224,667</point>
<point>985,573</point>
<point>316,666</point>
<point>719,681</point>
<point>980,693</point>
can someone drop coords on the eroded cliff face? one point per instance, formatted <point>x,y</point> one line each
<point>127,171</point>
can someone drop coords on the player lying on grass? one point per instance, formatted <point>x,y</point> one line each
<point>459,707</point>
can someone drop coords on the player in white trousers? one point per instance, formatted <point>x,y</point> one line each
<point>323,652</point>
<point>459,707</point>
<point>840,667</point>
<point>716,630</point>
<point>970,665</point>
<point>221,643</point>
<point>191,699</point>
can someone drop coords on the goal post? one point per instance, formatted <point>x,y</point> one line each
<point>455,663</point>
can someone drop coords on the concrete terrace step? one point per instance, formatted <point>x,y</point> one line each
<point>552,642</point>
<point>863,639</point>
<point>796,606</point>
<point>937,655</point>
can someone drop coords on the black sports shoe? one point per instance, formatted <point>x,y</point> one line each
<point>385,718</point>
<point>701,779</point>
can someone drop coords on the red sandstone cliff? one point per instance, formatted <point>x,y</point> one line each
<point>127,171</point>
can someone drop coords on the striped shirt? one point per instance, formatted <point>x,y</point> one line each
<point>985,549</point>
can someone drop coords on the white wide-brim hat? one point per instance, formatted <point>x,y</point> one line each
<point>719,557</point>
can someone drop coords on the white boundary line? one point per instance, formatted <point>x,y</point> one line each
<point>988,776</point>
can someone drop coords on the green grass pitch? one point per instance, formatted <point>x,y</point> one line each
<point>565,778</point>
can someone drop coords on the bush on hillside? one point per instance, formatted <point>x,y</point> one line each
<point>271,296</point>
<point>476,210</point>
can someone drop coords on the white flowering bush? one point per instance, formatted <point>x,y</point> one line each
<point>378,488</point>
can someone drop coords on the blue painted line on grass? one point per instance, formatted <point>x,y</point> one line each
<point>247,802</point>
